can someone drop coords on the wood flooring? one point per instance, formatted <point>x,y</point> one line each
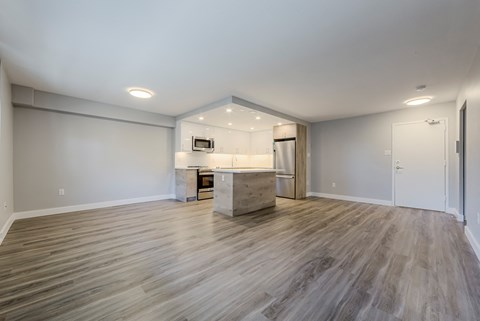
<point>313,259</point>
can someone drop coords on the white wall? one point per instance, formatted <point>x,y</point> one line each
<point>6,151</point>
<point>350,152</point>
<point>470,93</point>
<point>29,97</point>
<point>93,159</point>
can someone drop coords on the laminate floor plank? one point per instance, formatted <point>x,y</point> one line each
<point>312,259</point>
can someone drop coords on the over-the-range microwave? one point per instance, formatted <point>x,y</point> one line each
<point>203,144</point>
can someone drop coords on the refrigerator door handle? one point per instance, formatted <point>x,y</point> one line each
<point>285,176</point>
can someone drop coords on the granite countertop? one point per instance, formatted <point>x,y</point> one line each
<point>245,170</point>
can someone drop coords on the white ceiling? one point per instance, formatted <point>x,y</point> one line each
<point>313,59</point>
<point>240,118</point>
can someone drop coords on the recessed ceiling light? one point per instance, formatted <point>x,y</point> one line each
<point>229,110</point>
<point>140,93</point>
<point>417,101</point>
<point>201,118</point>
<point>258,118</point>
<point>279,124</point>
<point>229,124</point>
<point>252,128</point>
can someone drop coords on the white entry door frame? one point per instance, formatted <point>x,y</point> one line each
<point>394,157</point>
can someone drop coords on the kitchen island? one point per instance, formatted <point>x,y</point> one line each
<point>241,191</point>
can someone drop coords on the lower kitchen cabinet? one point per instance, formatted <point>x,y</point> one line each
<point>186,185</point>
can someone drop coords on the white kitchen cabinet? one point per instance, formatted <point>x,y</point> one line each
<point>187,130</point>
<point>222,141</point>
<point>186,133</point>
<point>229,141</point>
<point>261,143</point>
<point>240,142</point>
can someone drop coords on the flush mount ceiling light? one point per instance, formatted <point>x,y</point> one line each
<point>229,124</point>
<point>252,128</point>
<point>140,93</point>
<point>418,101</point>
<point>258,118</point>
<point>201,118</point>
<point>229,110</point>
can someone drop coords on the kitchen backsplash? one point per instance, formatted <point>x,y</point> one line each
<point>184,159</point>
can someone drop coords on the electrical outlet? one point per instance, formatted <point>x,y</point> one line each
<point>334,185</point>
<point>61,191</point>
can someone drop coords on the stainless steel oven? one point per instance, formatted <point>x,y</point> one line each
<point>204,184</point>
<point>203,144</point>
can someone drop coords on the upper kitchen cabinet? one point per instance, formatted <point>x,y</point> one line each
<point>261,143</point>
<point>285,131</point>
<point>227,141</point>
<point>222,141</point>
<point>231,141</point>
<point>240,142</point>
<point>187,130</point>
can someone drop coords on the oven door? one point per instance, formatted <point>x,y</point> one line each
<point>205,185</point>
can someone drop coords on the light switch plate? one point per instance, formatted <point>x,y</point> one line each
<point>387,152</point>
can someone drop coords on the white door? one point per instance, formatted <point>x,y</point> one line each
<point>419,164</point>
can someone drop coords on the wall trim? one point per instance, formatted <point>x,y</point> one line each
<point>351,198</point>
<point>473,242</point>
<point>454,212</point>
<point>75,208</point>
<point>6,227</point>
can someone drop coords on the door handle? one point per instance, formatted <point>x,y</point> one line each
<point>398,167</point>
<point>285,176</point>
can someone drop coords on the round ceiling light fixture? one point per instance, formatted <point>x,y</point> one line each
<point>418,101</point>
<point>140,93</point>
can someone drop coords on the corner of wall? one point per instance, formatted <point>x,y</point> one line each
<point>6,154</point>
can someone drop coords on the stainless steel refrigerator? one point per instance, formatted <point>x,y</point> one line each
<point>284,162</point>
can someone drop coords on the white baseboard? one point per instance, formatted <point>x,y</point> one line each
<point>455,213</point>
<point>6,227</point>
<point>76,208</point>
<point>473,242</point>
<point>351,198</point>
